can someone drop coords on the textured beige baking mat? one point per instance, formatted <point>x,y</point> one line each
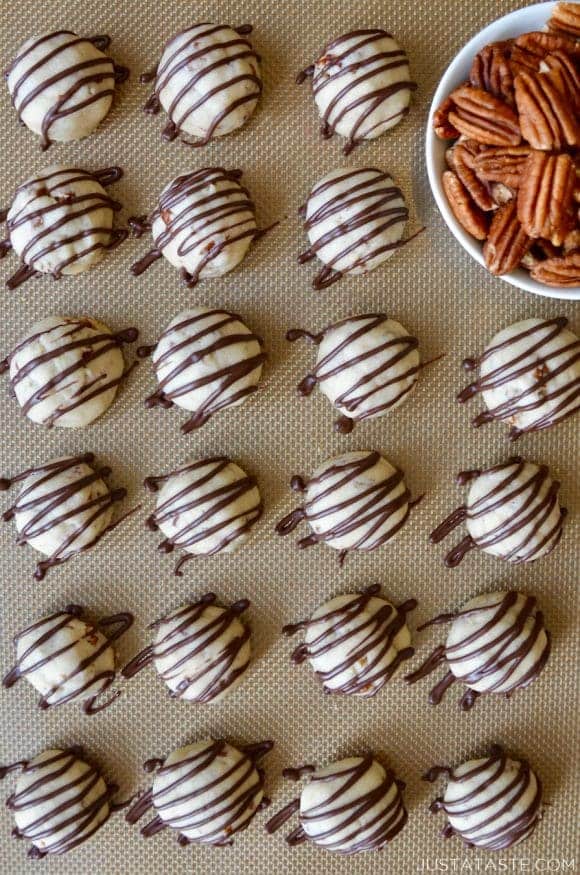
<point>440,295</point>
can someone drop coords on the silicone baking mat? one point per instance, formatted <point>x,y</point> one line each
<point>440,295</point>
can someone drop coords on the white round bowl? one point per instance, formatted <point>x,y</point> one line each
<point>521,21</point>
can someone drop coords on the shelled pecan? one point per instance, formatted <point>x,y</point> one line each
<point>566,18</point>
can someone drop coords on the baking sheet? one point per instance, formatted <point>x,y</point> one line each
<point>440,295</point>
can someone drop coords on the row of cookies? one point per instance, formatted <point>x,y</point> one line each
<point>61,221</point>
<point>354,502</point>
<point>355,644</point>
<point>66,370</point>
<point>210,790</point>
<point>208,81</point>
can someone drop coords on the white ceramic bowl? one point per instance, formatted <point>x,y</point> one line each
<point>521,21</point>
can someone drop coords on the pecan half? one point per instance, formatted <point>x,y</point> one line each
<point>546,196</point>
<point>572,241</point>
<point>502,164</point>
<point>491,71</point>
<point>483,117</point>
<point>507,242</point>
<point>441,124</point>
<point>547,118</point>
<point>467,213</point>
<point>566,18</point>
<point>561,272</point>
<point>561,69</point>
<point>540,43</point>
<point>521,59</point>
<point>463,162</point>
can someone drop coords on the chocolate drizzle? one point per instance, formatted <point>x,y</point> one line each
<point>46,647</point>
<point>200,650</point>
<point>45,506</point>
<point>501,648</point>
<point>345,817</point>
<point>341,64</point>
<point>88,348</point>
<point>530,495</point>
<point>358,401</point>
<point>209,333</point>
<point>371,516</point>
<point>201,213</point>
<point>358,637</point>
<point>535,373</point>
<point>72,88</point>
<point>363,202</point>
<point>185,780</point>
<point>500,805</point>
<point>80,801</point>
<point>197,512</point>
<point>51,228</point>
<point>203,52</point>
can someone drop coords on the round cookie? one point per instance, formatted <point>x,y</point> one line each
<point>528,376</point>
<point>512,511</point>
<point>61,222</point>
<point>497,643</point>
<point>361,85</point>
<point>64,507</point>
<point>203,224</point>
<point>62,85</point>
<point>208,82</point>
<point>355,643</point>
<point>354,219</point>
<point>68,659</point>
<point>60,801</point>
<point>207,791</point>
<point>492,803</point>
<point>201,650</point>
<point>357,501</point>
<point>208,506</point>
<point>67,370</point>
<point>366,366</point>
<point>206,360</point>
<point>348,806</point>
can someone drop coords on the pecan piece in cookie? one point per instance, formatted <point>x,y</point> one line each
<point>491,71</point>
<point>502,164</point>
<point>561,272</point>
<point>546,196</point>
<point>483,117</point>
<point>463,162</point>
<point>467,213</point>
<point>507,242</point>
<point>547,118</point>
<point>441,124</point>
<point>566,18</point>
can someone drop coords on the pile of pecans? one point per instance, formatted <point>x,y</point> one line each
<point>514,168</point>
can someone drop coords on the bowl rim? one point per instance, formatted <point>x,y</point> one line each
<point>435,148</point>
